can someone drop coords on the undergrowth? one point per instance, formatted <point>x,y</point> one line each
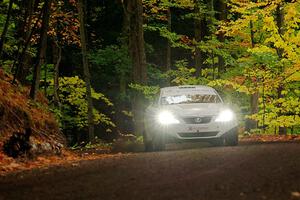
<point>18,112</point>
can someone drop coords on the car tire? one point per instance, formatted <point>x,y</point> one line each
<point>147,143</point>
<point>218,142</point>
<point>158,142</point>
<point>232,138</point>
<point>148,146</point>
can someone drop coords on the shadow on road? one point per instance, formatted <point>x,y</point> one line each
<point>200,145</point>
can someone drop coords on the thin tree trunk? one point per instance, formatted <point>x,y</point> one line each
<point>123,84</point>
<point>222,10</point>
<point>252,34</point>
<point>25,33</point>
<point>210,20</point>
<point>45,77</point>
<point>137,53</point>
<point>199,36</point>
<point>21,57</point>
<point>126,22</point>
<point>86,70</point>
<point>211,27</point>
<point>42,50</point>
<point>169,49</point>
<point>213,65</point>
<point>264,106</point>
<point>124,41</point>
<point>250,123</point>
<point>4,32</point>
<point>168,56</point>
<point>28,32</point>
<point>280,23</point>
<point>56,78</point>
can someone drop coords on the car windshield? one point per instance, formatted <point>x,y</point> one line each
<point>190,98</point>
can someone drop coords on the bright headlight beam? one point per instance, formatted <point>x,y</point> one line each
<point>166,118</point>
<point>225,116</point>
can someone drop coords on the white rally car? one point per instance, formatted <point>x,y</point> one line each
<point>189,113</point>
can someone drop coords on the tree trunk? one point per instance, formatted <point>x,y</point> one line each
<point>137,53</point>
<point>19,72</point>
<point>45,77</point>
<point>42,50</point>
<point>222,10</point>
<point>210,5</point>
<point>280,23</point>
<point>168,56</point>
<point>56,77</point>
<point>123,84</point>
<point>211,32</point>
<point>250,123</point>
<point>25,33</point>
<point>124,41</point>
<point>86,70</point>
<point>169,50</point>
<point>3,35</point>
<point>199,25</point>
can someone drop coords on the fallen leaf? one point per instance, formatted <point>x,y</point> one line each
<point>75,164</point>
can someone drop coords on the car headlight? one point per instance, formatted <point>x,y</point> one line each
<point>166,118</point>
<point>225,116</point>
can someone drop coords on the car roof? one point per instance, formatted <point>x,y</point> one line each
<point>187,89</point>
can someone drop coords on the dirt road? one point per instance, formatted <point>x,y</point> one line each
<point>257,171</point>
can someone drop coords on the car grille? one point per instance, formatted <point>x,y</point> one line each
<point>197,120</point>
<point>198,134</point>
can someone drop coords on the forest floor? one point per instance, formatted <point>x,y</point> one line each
<point>254,170</point>
<point>69,157</point>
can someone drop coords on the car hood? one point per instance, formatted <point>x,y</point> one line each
<point>197,109</point>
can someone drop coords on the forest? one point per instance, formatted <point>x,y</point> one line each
<point>84,71</point>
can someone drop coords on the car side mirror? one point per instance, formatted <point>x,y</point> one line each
<point>154,103</point>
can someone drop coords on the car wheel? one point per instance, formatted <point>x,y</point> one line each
<point>218,142</point>
<point>147,143</point>
<point>148,146</point>
<point>232,139</point>
<point>159,143</point>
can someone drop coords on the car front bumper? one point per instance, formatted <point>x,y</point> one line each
<point>192,132</point>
